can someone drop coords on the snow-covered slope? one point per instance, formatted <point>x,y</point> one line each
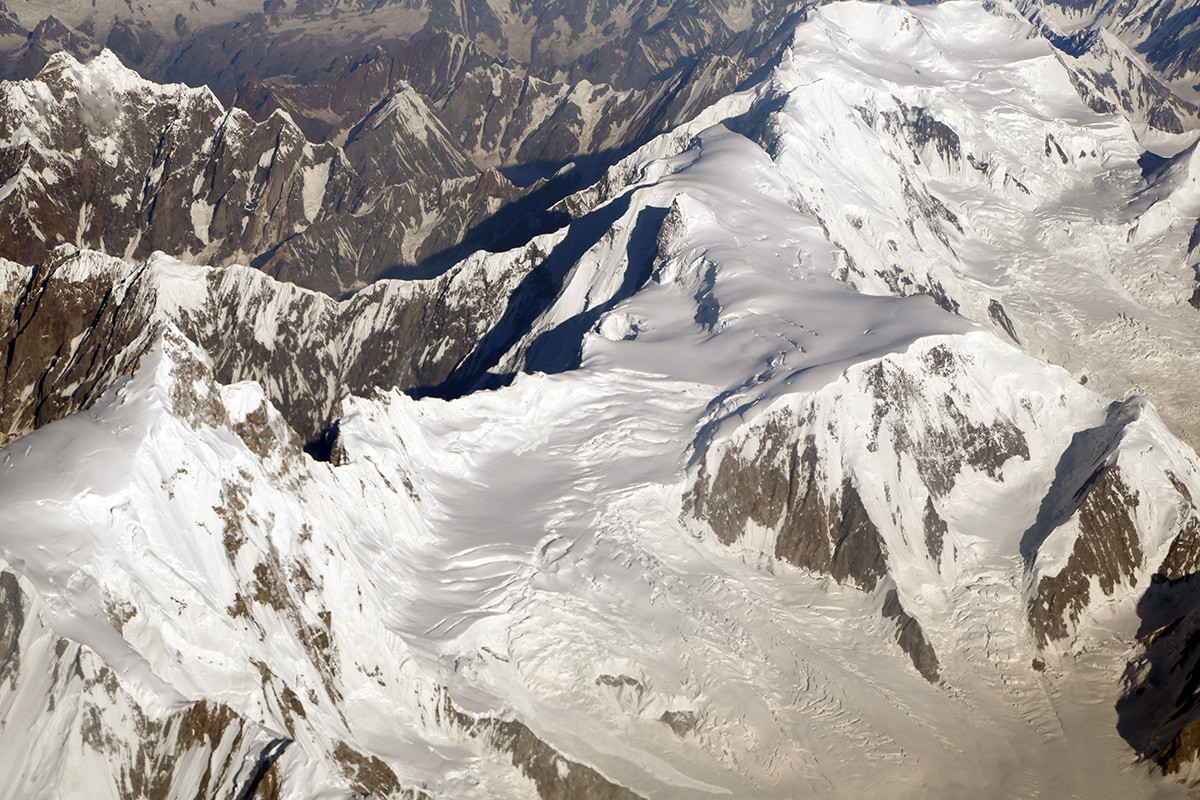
<point>1154,38</point>
<point>947,153</point>
<point>726,526</point>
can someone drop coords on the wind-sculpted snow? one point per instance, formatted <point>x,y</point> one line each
<point>519,555</point>
<point>947,153</point>
<point>691,516</point>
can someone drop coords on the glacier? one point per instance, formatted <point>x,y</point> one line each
<point>720,512</point>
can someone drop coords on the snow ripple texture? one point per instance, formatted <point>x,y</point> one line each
<point>528,555</point>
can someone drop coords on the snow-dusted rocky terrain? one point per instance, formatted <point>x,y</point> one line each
<point>710,491</point>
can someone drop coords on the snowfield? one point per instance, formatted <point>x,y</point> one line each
<point>734,520</point>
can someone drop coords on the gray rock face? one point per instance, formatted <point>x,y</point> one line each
<point>1142,57</point>
<point>819,529</point>
<point>97,157</point>
<point>81,320</point>
<point>626,44</point>
<point>554,776</point>
<point>1107,551</point>
<point>128,167</point>
<point>911,638</point>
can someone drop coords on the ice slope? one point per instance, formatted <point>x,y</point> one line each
<point>1160,36</point>
<point>559,588</point>
<point>524,550</point>
<point>946,152</point>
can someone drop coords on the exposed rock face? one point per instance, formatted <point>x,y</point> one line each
<point>782,477</point>
<point>1179,756</point>
<point>80,321</point>
<point>625,44</point>
<point>946,444</point>
<point>1107,551</point>
<point>1111,78</point>
<point>326,103</point>
<point>1160,709</point>
<point>414,184</point>
<point>935,531</point>
<point>95,156</point>
<point>782,487</point>
<point>47,37</point>
<point>1139,56</point>
<point>203,750</point>
<point>111,161</point>
<point>1183,559</point>
<point>911,638</point>
<point>497,112</point>
<point>12,621</point>
<point>555,776</point>
<point>369,776</point>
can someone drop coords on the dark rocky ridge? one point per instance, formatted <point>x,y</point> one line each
<point>780,481</point>
<point>1159,713</point>
<point>911,638</point>
<point>561,40</point>
<point>554,776</point>
<point>783,488</point>
<point>1107,550</point>
<point>137,168</point>
<point>1139,56</point>
<point>412,190</point>
<point>80,321</point>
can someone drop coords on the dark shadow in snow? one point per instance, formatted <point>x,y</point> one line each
<point>1162,688</point>
<point>533,295</point>
<point>321,448</point>
<point>559,350</point>
<point>1079,468</point>
<point>1152,165</point>
<point>515,224</point>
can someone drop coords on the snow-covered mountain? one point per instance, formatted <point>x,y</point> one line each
<point>1144,53</point>
<point>96,156</point>
<point>751,479</point>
